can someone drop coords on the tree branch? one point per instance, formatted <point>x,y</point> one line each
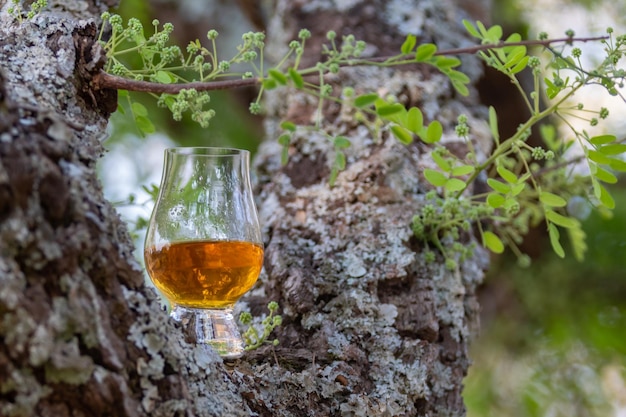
<point>103,80</point>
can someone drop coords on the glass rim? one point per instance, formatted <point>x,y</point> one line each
<point>205,151</point>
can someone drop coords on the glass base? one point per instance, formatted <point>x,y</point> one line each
<point>214,327</point>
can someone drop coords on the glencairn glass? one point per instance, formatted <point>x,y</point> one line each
<point>203,247</point>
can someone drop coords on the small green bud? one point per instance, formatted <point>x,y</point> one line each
<point>348,92</point>
<point>304,34</point>
<point>451,264</point>
<point>212,34</point>
<point>255,108</point>
<point>524,261</point>
<point>604,113</point>
<point>570,33</point>
<point>534,62</point>
<point>245,317</point>
<point>331,35</point>
<point>429,257</point>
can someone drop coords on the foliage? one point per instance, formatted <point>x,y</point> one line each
<point>16,10</point>
<point>556,347</point>
<point>251,335</point>
<point>527,185</point>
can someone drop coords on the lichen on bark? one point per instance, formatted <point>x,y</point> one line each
<point>81,334</point>
<point>369,327</point>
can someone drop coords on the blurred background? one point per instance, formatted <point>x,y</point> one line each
<point>553,336</point>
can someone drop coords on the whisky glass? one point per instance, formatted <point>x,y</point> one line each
<point>203,247</point>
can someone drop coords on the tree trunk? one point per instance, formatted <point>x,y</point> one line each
<point>369,327</point>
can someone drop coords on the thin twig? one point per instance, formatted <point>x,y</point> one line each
<point>104,80</point>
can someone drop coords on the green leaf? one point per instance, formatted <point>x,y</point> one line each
<point>495,200</point>
<point>460,88</point>
<point>139,109</point>
<point>471,29</point>
<point>604,175</point>
<point>521,65</point>
<point>598,157</point>
<point>462,170</point>
<point>577,239</point>
<point>507,175</point>
<point>340,161</point>
<point>409,44</point>
<point>603,195</point>
<point>402,134</point>
<point>615,149</point>
<point>284,140</point>
<point>561,220</point>
<point>494,33</point>
<point>387,110</point>
<point>441,161</point>
<point>425,51</point>
<point>277,76</point>
<point>498,186</point>
<point>414,120</point>
<point>269,83</point>
<point>602,139</point>
<point>459,76</point>
<point>284,155</point>
<point>365,100</point>
<point>339,165</point>
<point>444,63</point>
<point>552,200</point>
<point>433,132</point>
<point>454,184</point>
<point>492,242</point>
<point>165,77</point>
<point>553,231</point>
<point>517,188</point>
<point>493,124</point>
<point>287,125</point>
<point>436,178</point>
<point>341,142</point>
<point>144,124</point>
<point>296,78</point>
<point>618,165</point>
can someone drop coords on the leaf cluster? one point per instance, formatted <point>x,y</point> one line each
<point>527,185</point>
<point>532,185</point>
<point>252,337</point>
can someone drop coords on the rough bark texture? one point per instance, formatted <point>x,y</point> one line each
<point>80,335</point>
<point>369,328</point>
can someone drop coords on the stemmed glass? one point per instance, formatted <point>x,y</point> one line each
<point>203,247</point>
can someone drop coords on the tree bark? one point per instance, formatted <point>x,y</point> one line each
<point>369,327</point>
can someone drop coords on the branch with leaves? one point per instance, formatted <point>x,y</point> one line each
<point>527,185</point>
